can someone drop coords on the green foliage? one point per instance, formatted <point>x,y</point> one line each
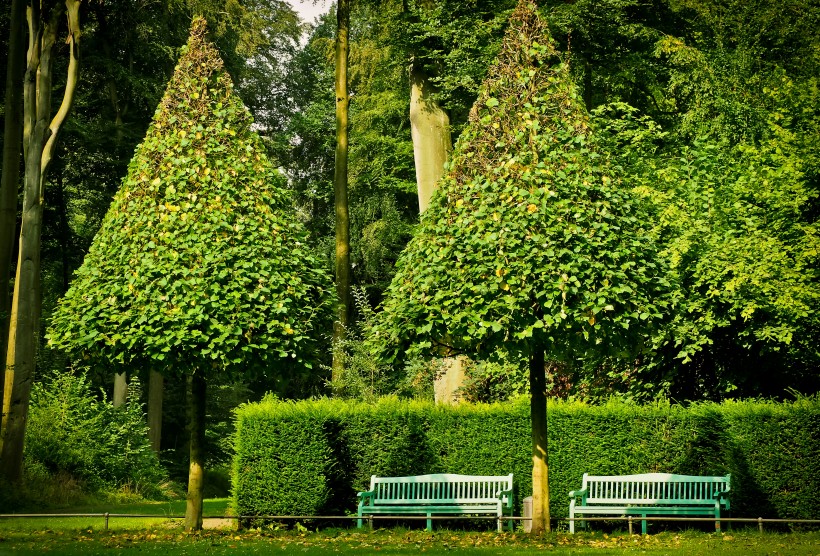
<point>313,456</point>
<point>382,187</point>
<point>199,261</point>
<point>531,239</point>
<point>74,434</point>
<point>363,377</point>
<point>283,467</point>
<point>455,41</point>
<point>740,234</point>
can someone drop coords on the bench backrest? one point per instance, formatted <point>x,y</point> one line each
<point>655,488</point>
<point>442,488</point>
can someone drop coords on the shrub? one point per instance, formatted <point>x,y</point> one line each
<point>71,431</point>
<point>310,457</point>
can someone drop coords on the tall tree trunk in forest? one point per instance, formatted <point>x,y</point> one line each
<point>196,470</point>
<point>39,136</point>
<point>432,145</point>
<point>540,470</point>
<point>343,277</point>
<point>430,131</point>
<point>120,389</point>
<point>10,180</point>
<point>155,391</point>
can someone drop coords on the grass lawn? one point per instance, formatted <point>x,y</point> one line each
<point>173,541</point>
<point>160,535</point>
<point>213,507</point>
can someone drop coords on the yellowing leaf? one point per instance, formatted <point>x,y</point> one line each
<point>531,208</point>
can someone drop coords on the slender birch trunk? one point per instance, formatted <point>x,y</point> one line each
<point>343,272</point>
<point>40,132</point>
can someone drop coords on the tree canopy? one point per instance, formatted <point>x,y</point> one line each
<point>533,238</point>
<point>200,261</point>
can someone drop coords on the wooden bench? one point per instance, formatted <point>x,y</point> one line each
<point>650,494</point>
<point>440,494</point>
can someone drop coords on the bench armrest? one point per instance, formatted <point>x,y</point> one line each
<point>580,492</point>
<point>509,494</point>
<point>365,495</point>
<point>721,498</point>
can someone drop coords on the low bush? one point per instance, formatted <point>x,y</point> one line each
<point>74,433</point>
<point>310,457</point>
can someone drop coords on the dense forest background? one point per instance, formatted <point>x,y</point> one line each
<point>709,107</point>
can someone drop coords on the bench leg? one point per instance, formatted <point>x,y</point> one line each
<point>571,522</point>
<point>643,525</point>
<point>359,523</point>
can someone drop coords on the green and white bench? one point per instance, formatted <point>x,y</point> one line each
<point>440,494</point>
<point>650,494</point>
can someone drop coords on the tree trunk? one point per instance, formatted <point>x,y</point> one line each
<point>196,471</point>
<point>343,277</point>
<point>155,391</point>
<point>120,389</point>
<point>430,130</point>
<point>39,136</point>
<point>540,471</point>
<point>10,181</point>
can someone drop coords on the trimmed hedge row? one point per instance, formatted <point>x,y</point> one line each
<point>311,457</point>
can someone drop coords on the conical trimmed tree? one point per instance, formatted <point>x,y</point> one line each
<point>531,244</point>
<point>200,267</point>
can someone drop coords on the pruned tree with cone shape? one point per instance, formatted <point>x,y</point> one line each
<point>532,243</point>
<point>200,267</point>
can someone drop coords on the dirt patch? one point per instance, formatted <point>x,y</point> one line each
<point>218,523</point>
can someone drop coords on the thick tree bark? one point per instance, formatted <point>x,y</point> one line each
<point>39,136</point>
<point>540,470</point>
<point>10,180</point>
<point>343,272</point>
<point>196,470</point>
<point>430,131</point>
<point>155,391</point>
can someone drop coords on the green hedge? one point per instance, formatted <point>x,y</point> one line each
<point>311,457</point>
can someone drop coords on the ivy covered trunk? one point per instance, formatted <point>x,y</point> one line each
<point>540,468</point>
<point>196,469</point>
